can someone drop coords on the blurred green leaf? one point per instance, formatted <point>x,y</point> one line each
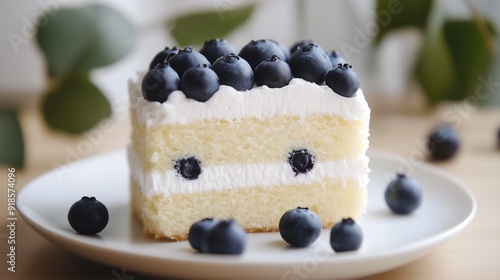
<point>435,69</point>
<point>452,60</point>
<point>11,139</point>
<point>392,14</point>
<point>194,29</point>
<point>470,54</point>
<point>75,105</point>
<point>80,39</point>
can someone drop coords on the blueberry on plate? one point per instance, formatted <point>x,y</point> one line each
<point>443,142</point>
<point>343,80</point>
<point>273,73</point>
<point>215,48</point>
<point>300,227</point>
<point>159,82</point>
<point>257,51</point>
<point>403,194</point>
<point>88,216</point>
<point>185,59</point>
<point>310,63</point>
<point>345,236</point>
<point>234,71</point>
<point>163,56</point>
<point>200,83</point>
<point>198,233</point>
<point>226,237</point>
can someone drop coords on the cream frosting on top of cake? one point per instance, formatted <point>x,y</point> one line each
<point>298,98</point>
<point>235,176</point>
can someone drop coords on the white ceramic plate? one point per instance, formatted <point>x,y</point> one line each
<point>390,240</point>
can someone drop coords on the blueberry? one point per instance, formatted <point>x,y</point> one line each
<point>336,58</point>
<point>403,194</point>
<point>198,233</point>
<point>189,168</point>
<point>88,216</point>
<point>299,44</point>
<point>498,138</point>
<point>186,59</point>
<point>200,83</point>
<point>300,227</point>
<point>163,56</point>
<point>257,51</point>
<point>343,80</point>
<point>159,82</point>
<point>301,161</point>
<point>226,237</point>
<point>346,235</point>
<point>234,71</point>
<point>283,48</point>
<point>215,48</point>
<point>273,73</point>
<point>310,63</point>
<point>443,142</point>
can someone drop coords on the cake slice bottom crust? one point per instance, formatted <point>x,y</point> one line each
<point>256,209</point>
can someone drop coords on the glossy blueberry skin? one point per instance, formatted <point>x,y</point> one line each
<point>299,44</point>
<point>215,48</point>
<point>403,195</point>
<point>234,71</point>
<point>159,82</point>
<point>257,51</point>
<point>273,73</point>
<point>300,227</point>
<point>283,48</point>
<point>345,236</point>
<point>443,142</point>
<point>185,59</point>
<point>336,58</point>
<point>200,83</point>
<point>198,233</point>
<point>310,63</point>
<point>343,80</point>
<point>88,216</point>
<point>227,238</point>
<point>163,56</point>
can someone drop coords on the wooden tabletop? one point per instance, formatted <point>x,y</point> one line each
<point>472,254</point>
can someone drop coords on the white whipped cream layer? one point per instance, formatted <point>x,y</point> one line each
<point>228,177</point>
<point>298,98</point>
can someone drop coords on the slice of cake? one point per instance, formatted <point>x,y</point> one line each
<point>201,148</point>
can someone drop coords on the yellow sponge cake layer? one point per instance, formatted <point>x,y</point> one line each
<point>257,209</point>
<point>251,140</point>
